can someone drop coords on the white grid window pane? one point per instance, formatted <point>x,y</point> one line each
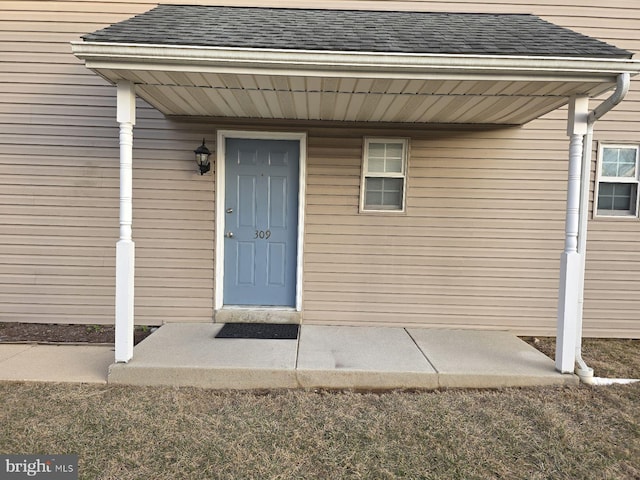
<point>394,150</point>
<point>617,198</point>
<point>376,150</point>
<point>619,162</point>
<point>393,165</point>
<point>383,193</point>
<point>376,165</point>
<point>385,157</point>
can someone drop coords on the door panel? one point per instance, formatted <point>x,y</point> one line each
<point>277,264</point>
<point>245,270</point>
<point>277,202</point>
<point>246,201</point>
<point>261,222</point>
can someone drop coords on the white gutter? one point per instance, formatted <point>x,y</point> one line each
<point>322,63</point>
<point>584,372</point>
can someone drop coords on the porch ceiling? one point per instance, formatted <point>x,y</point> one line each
<point>357,98</point>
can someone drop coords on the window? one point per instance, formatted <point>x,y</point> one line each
<point>617,188</point>
<point>384,174</point>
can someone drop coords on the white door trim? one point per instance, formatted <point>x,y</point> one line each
<point>222,135</point>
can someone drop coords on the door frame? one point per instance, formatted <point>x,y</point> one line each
<point>220,167</point>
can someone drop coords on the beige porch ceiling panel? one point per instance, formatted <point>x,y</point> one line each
<point>353,99</point>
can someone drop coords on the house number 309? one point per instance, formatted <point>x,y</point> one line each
<point>263,234</point>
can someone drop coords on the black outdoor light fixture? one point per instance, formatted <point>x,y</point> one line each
<point>202,158</point>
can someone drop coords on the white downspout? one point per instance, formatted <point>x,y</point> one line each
<point>622,87</point>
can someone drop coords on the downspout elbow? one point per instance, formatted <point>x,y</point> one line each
<point>623,81</point>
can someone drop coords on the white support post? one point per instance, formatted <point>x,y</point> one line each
<point>570,262</point>
<point>125,248</point>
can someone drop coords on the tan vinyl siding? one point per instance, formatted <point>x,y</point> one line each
<point>59,179</point>
<point>471,249</point>
<point>479,245</point>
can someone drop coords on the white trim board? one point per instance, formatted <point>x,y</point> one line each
<point>221,136</point>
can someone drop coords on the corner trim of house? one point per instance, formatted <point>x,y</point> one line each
<point>221,136</point>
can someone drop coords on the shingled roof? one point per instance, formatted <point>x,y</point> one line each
<point>355,31</point>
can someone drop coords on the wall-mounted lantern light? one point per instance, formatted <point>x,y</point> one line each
<point>202,158</point>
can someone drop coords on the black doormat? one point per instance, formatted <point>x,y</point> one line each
<point>263,331</point>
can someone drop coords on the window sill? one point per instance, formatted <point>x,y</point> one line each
<point>382,212</point>
<point>610,218</point>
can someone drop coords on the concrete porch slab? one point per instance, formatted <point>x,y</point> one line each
<point>361,358</point>
<point>181,354</point>
<point>486,359</point>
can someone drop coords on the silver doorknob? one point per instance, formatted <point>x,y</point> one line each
<point>229,234</point>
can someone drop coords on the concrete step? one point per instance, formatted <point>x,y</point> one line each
<point>257,315</point>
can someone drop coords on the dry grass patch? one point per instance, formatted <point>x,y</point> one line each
<point>608,357</point>
<point>168,433</point>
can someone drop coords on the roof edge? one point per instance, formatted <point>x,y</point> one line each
<point>199,58</point>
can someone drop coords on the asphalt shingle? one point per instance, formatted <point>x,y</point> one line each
<point>355,31</point>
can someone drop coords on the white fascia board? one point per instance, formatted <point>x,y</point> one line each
<point>117,56</point>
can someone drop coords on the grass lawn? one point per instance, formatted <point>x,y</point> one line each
<point>186,433</point>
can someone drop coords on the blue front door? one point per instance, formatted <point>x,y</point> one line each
<point>261,222</point>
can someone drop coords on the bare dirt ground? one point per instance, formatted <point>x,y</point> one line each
<point>12,332</point>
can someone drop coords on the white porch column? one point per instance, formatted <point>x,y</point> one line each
<point>570,261</point>
<point>125,248</point>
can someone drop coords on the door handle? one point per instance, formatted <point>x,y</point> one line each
<point>229,234</point>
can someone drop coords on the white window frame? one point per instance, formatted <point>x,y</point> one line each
<point>600,179</point>
<point>366,174</point>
